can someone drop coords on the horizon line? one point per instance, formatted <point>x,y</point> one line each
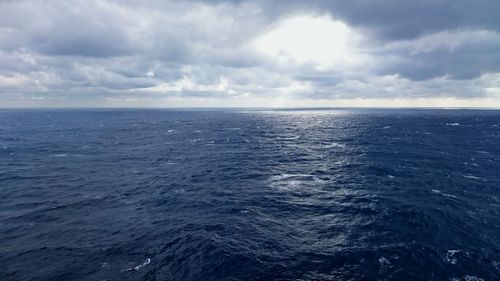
<point>254,107</point>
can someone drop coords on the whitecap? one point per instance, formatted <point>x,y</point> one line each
<point>472,278</point>
<point>287,176</point>
<point>452,124</point>
<point>137,267</point>
<point>59,155</point>
<point>288,137</point>
<point>451,256</point>
<point>387,127</point>
<point>146,262</point>
<point>384,263</point>
<point>473,177</point>
<point>437,191</point>
<point>390,176</point>
<point>170,131</point>
<point>335,145</point>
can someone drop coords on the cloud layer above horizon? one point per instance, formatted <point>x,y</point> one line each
<point>249,53</point>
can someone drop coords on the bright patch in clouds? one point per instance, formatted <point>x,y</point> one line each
<point>320,40</point>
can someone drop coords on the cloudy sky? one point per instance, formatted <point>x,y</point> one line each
<point>249,53</point>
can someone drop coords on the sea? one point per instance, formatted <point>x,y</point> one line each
<point>250,194</point>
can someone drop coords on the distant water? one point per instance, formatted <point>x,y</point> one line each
<point>250,195</point>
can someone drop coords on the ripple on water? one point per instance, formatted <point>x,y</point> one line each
<point>341,195</point>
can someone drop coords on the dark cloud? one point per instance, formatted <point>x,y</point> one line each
<point>400,19</point>
<point>459,54</point>
<point>395,19</point>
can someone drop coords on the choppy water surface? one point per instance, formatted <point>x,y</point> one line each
<point>249,195</point>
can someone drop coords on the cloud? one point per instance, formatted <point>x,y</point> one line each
<point>392,20</point>
<point>233,52</point>
<point>459,54</point>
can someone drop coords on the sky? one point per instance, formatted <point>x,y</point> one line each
<point>316,53</point>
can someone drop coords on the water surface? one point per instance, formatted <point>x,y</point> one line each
<point>249,195</point>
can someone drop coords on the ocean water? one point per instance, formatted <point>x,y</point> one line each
<point>250,195</point>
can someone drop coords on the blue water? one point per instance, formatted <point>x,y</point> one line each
<point>250,195</point>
